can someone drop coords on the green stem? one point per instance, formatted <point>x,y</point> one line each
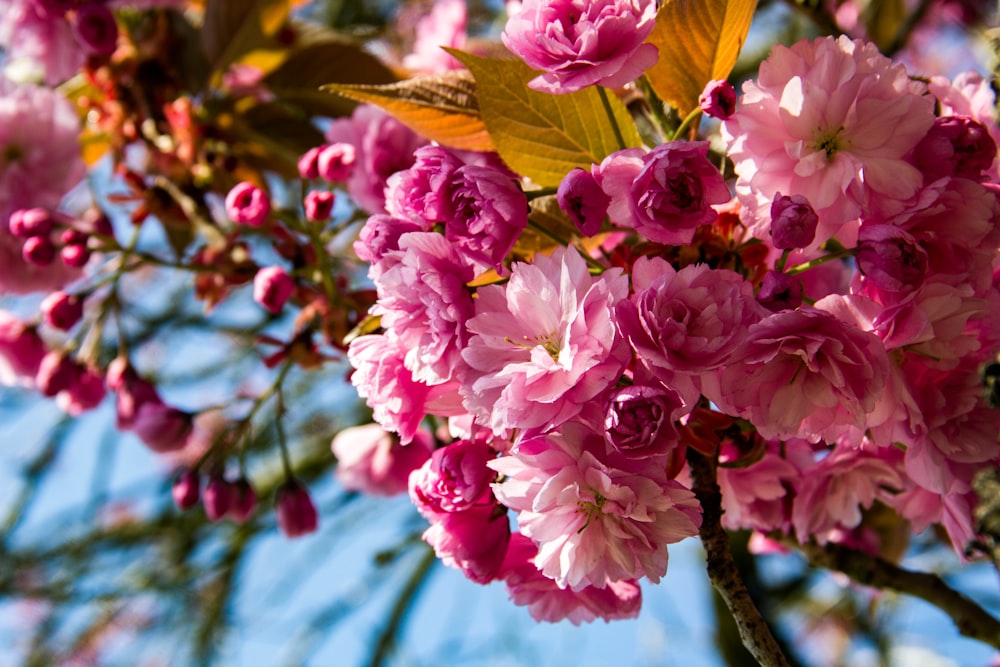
<point>685,124</point>
<point>840,254</point>
<point>611,116</point>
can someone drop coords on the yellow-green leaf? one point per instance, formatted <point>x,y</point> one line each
<point>699,41</point>
<point>442,107</point>
<point>543,136</point>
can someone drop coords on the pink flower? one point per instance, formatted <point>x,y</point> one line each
<point>580,196</point>
<point>889,258</point>
<point>664,194</point>
<point>543,344</point>
<point>473,540</point>
<point>718,100</point>
<point>455,478</point>
<point>547,602</point>
<point>754,496</point>
<point>398,402</point>
<point>956,146</point>
<point>830,494</point>
<point>335,162</point>
<point>639,421</point>
<point>444,26</point>
<point>830,120</point>
<point>579,43</point>
<point>422,193</point>
<point>780,291</point>
<point>21,351</point>
<point>382,147</point>
<point>31,34</point>
<point>373,461</point>
<point>94,25</point>
<point>295,510</point>
<point>272,287</point>
<point>684,323</point>
<point>318,205</point>
<point>595,519</point>
<point>793,222</point>
<point>246,204</point>
<point>804,374</point>
<point>424,304</point>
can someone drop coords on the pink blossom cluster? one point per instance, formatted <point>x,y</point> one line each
<point>821,330</point>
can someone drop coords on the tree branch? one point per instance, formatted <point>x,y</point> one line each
<point>971,620</point>
<point>722,570</point>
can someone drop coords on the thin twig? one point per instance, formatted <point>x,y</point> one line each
<point>722,570</point>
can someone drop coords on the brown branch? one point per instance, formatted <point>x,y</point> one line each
<point>970,619</point>
<point>722,570</point>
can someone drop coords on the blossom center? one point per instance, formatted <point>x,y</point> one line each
<point>591,509</point>
<point>548,342</point>
<point>12,153</point>
<point>830,143</point>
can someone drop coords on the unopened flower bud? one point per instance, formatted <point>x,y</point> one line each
<point>780,291</point>
<point>95,26</point>
<point>161,427</point>
<point>57,373</point>
<point>75,255</point>
<point>217,498</point>
<point>890,258</point>
<point>38,250</point>
<point>72,236</point>
<point>21,351</point>
<point>336,161</point>
<point>244,501</point>
<point>246,204</point>
<point>718,100</point>
<point>580,196</point>
<point>272,287</point>
<point>62,310</point>
<point>793,222</point>
<point>319,205</point>
<point>308,167</point>
<point>955,146</point>
<point>186,489</point>
<point>295,510</point>
<point>29,222</point>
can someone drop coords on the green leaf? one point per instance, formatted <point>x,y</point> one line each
<point>233,28</point>
<point>539,135</point>
<point>699,41</point>
<point>441,107</point>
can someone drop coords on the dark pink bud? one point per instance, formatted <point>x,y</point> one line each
<point>639,421</point>
<point>21,350</point>
<point>890,258</point>
<point>295,511</point>
<point>217,498</point>
<point>246,204</point>
<point>72,236</point>
<point>582,199</point>
<point>244,501</point>
<point>95,26</point>
<point>780,291</point>
<point>319,205</point>
<point>186,489</point>
<point>57,373</point>
<point>29,222</point>
<point>272,287</point>
<point>85,394</point>
<point>718,100</point>
<point>62,310</point>
<point>336,161</point>
<point>793,222</point>
<point>119,372</point>
<point>955,146</point>
<point>75,256</point>
<point>308,168</point>
<point>161,427</point>
<point>38,250</point>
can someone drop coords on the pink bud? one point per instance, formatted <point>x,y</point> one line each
<point>217,498</point>
<point>57,373</point>
<point>75,256</point>
<point>29,222</point>
<point>185,490</point>
<point>319,205</point>
<point>161,427</point>
<point>718,100</point>
<point>95,26</point>
<point>21,351</point>
<point>308,168</point>
<point>955,146</point>
<point>295,511</point>
<point>244,500</point>
<point>793,222</point>
<point>84,394</point>
<point>583,200</point>
<point>119,372</point>
<point>246,204</point>
<point>780,291</point>
<point>62,310</point>
<point>272,287</point>
<point>336,161</point>
<point>72,236</point>
<point>38,250</point>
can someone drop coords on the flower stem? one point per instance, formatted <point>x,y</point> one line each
<point>685,124</point>
<point>611,116</point>
<point>721,566</point>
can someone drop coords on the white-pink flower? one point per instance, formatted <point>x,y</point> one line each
<point>543,344</point>
<point>596,518</point>
<point>372,460</point>
<point>831,120</point>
